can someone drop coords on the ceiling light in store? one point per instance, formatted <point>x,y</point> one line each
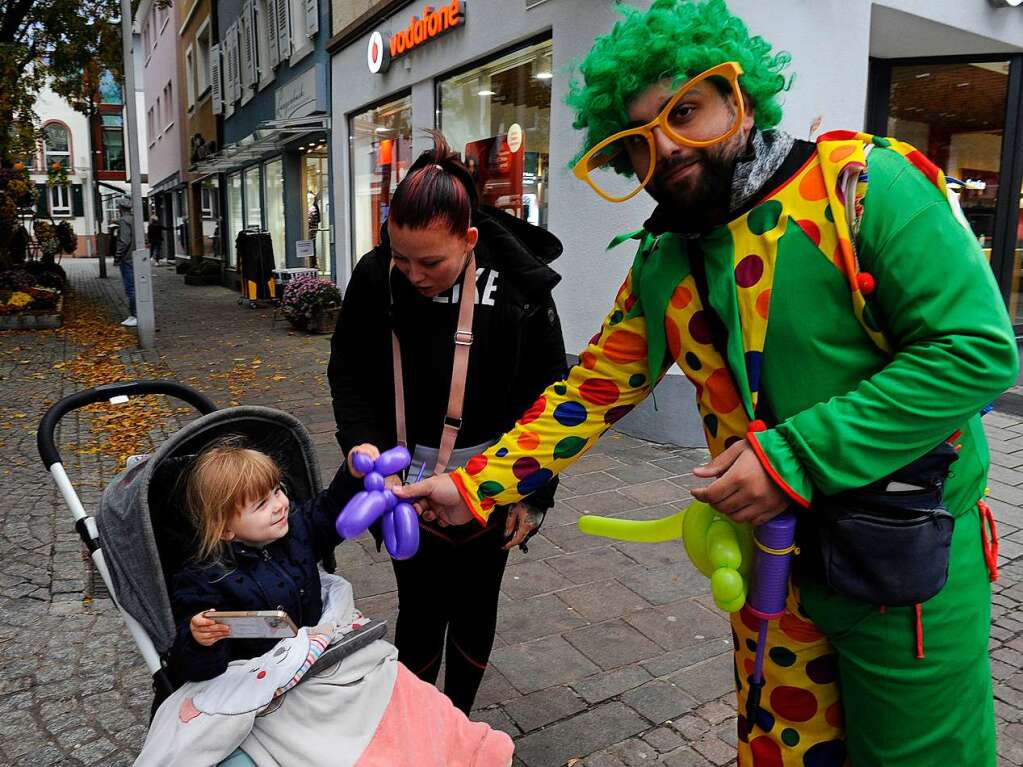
<point>923,74</point>
<point>382,129</point>
<point>544,75</point>
<point>961,85</point>
<point>486,92</point>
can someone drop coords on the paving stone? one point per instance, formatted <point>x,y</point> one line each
<point>653,493</point>
<point>634,752</point>
<point>521,621</point>
<point>707,680</point>
<point>684,757</point>
<point>612,644</point>
<point>667,584</point>
<point>543,663</point>
<point>658,701</point>
<point>679,624</point>
<point>580,735</point>
<point>596,565</point>
<point>531,578</point>
<point>669,663</point>
<point>600,687</point>
<point>603,599</point>
<point>543,707</point>
<point>497,718</point>
<point>663,739</point>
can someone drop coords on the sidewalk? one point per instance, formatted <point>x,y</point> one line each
<point>609,652</point>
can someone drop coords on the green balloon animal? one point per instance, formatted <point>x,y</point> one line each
<point>719,548</point>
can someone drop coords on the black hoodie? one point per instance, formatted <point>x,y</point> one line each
<point>518,349</point>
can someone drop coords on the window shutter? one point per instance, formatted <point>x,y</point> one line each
<point>248,60</point>
<point>284,29</point>
<point>270,23</point>
<point>250,28</point>
<point>77,201</point>
<point>312,17</point>
<point>216,87</point>
<point>236,85</point>
<point>42,204</point>
<point>228,65</point>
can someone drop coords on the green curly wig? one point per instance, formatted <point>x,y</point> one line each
<point>676,39</point>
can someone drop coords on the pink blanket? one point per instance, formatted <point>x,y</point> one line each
<point>422,728</point>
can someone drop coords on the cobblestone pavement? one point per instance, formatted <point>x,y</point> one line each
<point>608,652</point>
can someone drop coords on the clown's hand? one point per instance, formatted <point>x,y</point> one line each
<point>436,498</point>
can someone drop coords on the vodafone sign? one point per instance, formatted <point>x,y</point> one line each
<point>431,24</point>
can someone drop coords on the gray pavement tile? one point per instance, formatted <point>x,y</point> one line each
<point>580,735</point>
<point>708,680</point>
<point>635,473</point>
<point>569,538</point>
<point>612,644</point>
<point>523,620</point>
<point>546,662</point>
<point>593,482</point>
<point>497,718</point>
<point>595,460</point>
<point>609,684</point>
<point>530,578</point>
<point>674,661</point>
<point>539,709</point>
<point>684,757</point>
<point>667,584</point>
<point>495,688</point>
<point>602,600</point>
<point>659,701</point>
<point>679,624</point>
<point>656,492</point>
<point>610,503</point>
<point>588,566</point>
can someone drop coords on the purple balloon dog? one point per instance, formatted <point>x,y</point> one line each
<point>399,521</point>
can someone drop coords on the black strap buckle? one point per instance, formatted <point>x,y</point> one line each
<point>454,423</point>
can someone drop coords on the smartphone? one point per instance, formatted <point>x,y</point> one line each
<point>255,624</point>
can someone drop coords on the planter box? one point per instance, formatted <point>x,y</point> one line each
<point>39,319</point>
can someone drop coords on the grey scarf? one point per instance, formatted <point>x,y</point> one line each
<point>768,150</point>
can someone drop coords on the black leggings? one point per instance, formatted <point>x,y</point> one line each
<point>452,585</point>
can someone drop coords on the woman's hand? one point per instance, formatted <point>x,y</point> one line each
<point>370,451</point>
<point>522,520</point>
<point>207,631</point>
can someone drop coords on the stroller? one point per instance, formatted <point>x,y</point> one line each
<point>141,536</point>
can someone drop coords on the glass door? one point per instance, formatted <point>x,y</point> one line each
<point>316,206</point>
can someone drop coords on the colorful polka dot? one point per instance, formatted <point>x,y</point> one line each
<point>595,338</point>
<point>723,397</point>
<point>487,504</point>
<point>616,317</point>
<point>693,362</point>
<point>765,721</point>
<point>525,466</point>
<point>790,737</point>
<point>811,187</point>
<point>570,414</point>
<point>749,271</point>
<point>753,363</point>
<point>681,297</point>
<point>793,704</point>
<point>636,380</point>
<point>710,422</point>
<point>529,440</point>
<point>731,441</point>
<point>616,414</point>
<point>534,481</point>
<point>672,337</point>
<point>833,715</point>
<point>488,489</point>
<point>828,214</point>
<point>588,360</point>
<point>830,753</point>
<point>475,465</point>
<point>811,230</point>
<point>766,753</point>
<point>764,303</point>
<point>764,217</point>
<point>534,412</point>
<point>624,346</point>
<point>699,328</point>
<point>501,452</point>
<point>599,391</point>
<point>629,303</point>
<point>751,645</point>
<point>839,154</point>
<point>782,656</point>
<point>823,669</point>
<point>799,630</point>
<point>560,389</point>
<point>568,447</point>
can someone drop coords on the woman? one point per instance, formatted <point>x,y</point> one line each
<point>419,281</point>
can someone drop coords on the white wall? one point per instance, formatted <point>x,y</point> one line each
<point>163,154</point>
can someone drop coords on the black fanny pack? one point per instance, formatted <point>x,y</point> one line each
<point>886,543</point>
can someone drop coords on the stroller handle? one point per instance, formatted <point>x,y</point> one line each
<point>44,437</point>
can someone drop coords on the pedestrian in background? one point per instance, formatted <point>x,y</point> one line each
<point>154,238</point>
<point>123,257</point>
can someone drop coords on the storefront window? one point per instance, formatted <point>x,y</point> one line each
<point>498,116</point>
<point>274,179</point>
<point>1015,304</point>
<point>209,196</point>
<point>316,206</point>
<point>955,114</point>
<point>253,202</point>
<point>235,216</point>
<point>381,146</point>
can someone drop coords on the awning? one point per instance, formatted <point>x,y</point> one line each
<point>268,139</point>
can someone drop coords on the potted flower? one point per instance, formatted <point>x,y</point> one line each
<point>311,303</point>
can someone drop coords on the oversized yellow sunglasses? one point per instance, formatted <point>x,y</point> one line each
<point>690,118</point>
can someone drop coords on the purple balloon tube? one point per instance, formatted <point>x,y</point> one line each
<point>406,531</point>
<point>362,463</point>
<point>393,461</point>
<point>359,513</point>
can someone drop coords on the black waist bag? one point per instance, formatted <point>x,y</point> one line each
<point>886,546</point>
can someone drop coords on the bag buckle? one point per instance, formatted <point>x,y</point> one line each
<point>454,423</point>
<point>463,337</point>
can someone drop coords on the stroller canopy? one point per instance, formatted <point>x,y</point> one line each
<point>144,528</point>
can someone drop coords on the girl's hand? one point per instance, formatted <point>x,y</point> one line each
<point>207,631</point>
<point>370,451</point>
<point>522,520</point>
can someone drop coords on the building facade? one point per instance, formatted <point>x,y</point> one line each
<point>270,89</point>
<point>157,31</point>
<point>493,76</point>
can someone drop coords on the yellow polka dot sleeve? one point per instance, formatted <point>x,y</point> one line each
<point>564,422</point>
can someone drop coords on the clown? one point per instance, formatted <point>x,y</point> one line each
<point>837,322</point>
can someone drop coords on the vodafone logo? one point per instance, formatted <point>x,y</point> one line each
<point>378,54</point>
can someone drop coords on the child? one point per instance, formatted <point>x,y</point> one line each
<point>256,552</point>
